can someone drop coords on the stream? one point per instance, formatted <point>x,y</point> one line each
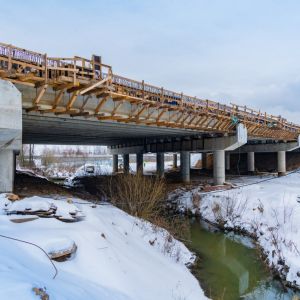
<point>229,267</point>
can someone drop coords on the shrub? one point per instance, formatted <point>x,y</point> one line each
<point>140,196</point>
<point>145,197</point>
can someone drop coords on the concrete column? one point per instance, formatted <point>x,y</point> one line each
<point>227,161</point>
<point>281,163</point>
<point>185,166</point>
<point>204,160</point>
<point>219,167</point>
<point>7,170</point>
<point>160,164</point>
<point>115,163</point>
<point>139,162</point>
<point>251,162</point>
<point>126,163</point>
<point>175,161</point>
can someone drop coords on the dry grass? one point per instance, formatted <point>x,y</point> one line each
<point>145,197</point>
<point>140,196</point>
<point>229,209</point>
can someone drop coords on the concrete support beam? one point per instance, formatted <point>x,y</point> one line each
<point>227,143</point>
<point>160,164</point>
<point>126,163</point>
<point>281,163</point>
<point>7,170</point>
<point>175,165</point>
<point>204,160</point>
<point>227,161</point>
<point>185,166</point>
<point>207,144</point>
<point>219,167</point>
<point>274,147</point>
<point>115,163</point>
<point>251,162</point>
<point>139,162</point>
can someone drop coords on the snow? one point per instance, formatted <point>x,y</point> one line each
<point>31,204</point>
<point>114,259</point>
<point>269,210</point>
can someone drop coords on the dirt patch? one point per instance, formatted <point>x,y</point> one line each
<point>28,185</point>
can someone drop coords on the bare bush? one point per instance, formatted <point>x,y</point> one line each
<point>196,200</point>
<point>138,195</point>
<point>229,209</point>
<point>178,226</point>
<point>144,197</point>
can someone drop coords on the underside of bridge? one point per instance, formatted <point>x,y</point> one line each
<point>42,129</point>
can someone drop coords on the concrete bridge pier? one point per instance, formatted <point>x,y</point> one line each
<point>10,133</point>
<point>204,160</point>
<point>219,167</point>
<point>227,161</point>
<point>139,163</point>
<point>160,164</point>
<point>175,165</point>
<point>185,166</point>
<point>7,170</point>
<point>126,163</point>
<point>115,166</point>
<point>251,162</point>
<point>279,147</point>
<point>281,163</point>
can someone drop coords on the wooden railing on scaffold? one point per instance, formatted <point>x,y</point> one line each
<point>92,76</point>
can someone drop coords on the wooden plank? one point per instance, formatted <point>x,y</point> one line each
<point>93,86</point>
<point>72,100</point>
<point>100,105</point>
<point>39,96</point>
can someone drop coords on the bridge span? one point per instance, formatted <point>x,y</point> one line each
<point>52,100</point>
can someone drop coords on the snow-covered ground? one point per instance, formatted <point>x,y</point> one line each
<point>269,210</point>
<point>118,256</point>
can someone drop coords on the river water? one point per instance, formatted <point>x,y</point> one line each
<point>229,267</point>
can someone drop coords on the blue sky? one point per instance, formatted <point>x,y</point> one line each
<point>240,51</point>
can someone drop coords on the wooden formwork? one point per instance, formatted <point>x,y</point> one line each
<point>150,105</point>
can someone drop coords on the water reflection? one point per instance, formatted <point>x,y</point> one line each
<point>229,268</point>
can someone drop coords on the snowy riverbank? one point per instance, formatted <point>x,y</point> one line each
<point>118,256</point>
<point>269,211</point>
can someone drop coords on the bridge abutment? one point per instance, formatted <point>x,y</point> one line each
<point>10,133</point>
<point>7,170</point>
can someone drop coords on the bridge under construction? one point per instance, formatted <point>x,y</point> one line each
<point>52,100</point>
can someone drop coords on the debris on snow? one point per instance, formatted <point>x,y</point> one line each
<point>61,249</point>
<point>121,267</point>
<point>41,207</point>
